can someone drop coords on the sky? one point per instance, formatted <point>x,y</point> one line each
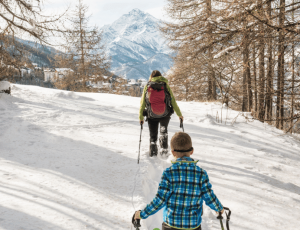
<point>105,12</point>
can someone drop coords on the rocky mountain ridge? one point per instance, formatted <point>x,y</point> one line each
<point>136,46</point>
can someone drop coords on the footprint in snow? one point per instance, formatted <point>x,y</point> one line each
<point>248,167</point>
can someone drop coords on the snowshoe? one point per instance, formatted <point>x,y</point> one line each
<point>164,152</point>
<point>153,149</point>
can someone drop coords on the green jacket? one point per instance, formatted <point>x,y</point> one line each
<point>173,101</point>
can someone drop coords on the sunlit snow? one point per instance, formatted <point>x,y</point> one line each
<point>69,162</point>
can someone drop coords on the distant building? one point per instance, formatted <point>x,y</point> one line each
<point>132,81</point>
<point>62,72</point>
<point>37,68</point>
<point>142,82</point>
<point>39,73</point>
<point>49,75</point>
<point>25,70</point>
<point>106,85</point>
<point>99,82</point>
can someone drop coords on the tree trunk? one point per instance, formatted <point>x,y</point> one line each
<point>247,92</point>
<point>269,87</point>
<point>80,14</point>
<point>261,83</point>
<point>293,86</point>
<point>280,78</point>
<point>255,79</point>
<point>293,81</point>
<point>211,78</point>
<point>249,86</point>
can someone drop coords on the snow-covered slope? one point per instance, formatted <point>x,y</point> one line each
<point>68,161</point>
<point>36,53</point>
<point>136,45</point>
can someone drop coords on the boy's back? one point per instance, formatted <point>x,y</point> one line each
<point>181,192</point>
<point>182,189</point>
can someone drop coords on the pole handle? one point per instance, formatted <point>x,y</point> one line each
<point>220,217</point>
<point>136,222</point>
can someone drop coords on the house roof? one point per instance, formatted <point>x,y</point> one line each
<point>63,69</point>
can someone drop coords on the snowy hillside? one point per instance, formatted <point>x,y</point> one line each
<point>69,162</point>
<point>136,46</point>
<point>41,54</point>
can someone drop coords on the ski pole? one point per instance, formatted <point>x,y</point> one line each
<point>181,124</point>
<point>137,224</point>
<point>140,143</point>
<point>220,217</point>
<point>228,217</point>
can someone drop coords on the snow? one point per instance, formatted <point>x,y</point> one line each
<point>134,42</point>
<point>62,70</point>
<point>69,161</point>
<point>4,85</point>
<point>227,50</point>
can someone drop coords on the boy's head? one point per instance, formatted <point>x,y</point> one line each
<point>181,142</point>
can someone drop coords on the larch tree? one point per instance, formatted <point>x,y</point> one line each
<point>23,17</point>
<point>248,47</point>
<point>85,54</point>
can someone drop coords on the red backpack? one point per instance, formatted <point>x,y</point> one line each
<point>158,100</point>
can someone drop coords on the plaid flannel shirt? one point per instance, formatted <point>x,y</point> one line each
<point>181,192</point>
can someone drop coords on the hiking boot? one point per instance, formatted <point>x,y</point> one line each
<point>153,149</point>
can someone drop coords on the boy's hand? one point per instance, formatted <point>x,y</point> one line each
<point>137,215</point>
<point>181,118</point>
<point>221,211</point>
<point>142,122</point>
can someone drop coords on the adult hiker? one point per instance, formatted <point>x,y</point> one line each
<point>158,104</point>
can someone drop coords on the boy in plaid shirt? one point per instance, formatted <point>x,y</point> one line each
<point>182,189</point>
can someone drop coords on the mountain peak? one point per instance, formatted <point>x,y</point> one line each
<point>136,11</point>
<point>136,46</point>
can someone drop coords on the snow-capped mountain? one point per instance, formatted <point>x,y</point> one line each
<point>136,46</point>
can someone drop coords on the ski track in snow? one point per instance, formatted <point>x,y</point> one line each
<point>69,161</point>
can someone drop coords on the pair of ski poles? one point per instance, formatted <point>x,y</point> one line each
<point>137,223</point>
<point>181,126</point>
<point>220,217</point>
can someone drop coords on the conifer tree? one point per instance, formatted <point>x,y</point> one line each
<point>85,54</point>
<point>23,17</point>
<point>248,47</point>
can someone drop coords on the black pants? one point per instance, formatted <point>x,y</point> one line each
<point>153,128</point>
<point>166,227</point>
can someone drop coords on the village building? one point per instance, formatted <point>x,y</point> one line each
<point>49,74</point>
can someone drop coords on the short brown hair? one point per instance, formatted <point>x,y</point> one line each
<point>155,73</point>
<point>181,141</point>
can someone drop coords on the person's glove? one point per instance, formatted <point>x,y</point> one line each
<point>136,219</point>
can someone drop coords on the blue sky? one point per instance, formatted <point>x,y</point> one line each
<point>107,11</point>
